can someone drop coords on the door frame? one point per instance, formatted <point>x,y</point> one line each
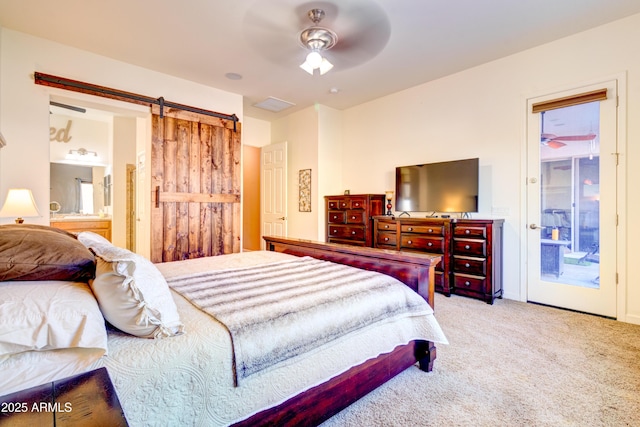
<point>621,239</point>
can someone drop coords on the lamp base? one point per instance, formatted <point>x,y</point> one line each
<point>389,208</point>
<point>19,220</point>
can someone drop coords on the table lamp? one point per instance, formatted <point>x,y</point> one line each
<point>389,197</point>
<point>19,204</point>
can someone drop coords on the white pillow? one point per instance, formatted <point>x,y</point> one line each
<point>132,293</point>
<point>49,315</point>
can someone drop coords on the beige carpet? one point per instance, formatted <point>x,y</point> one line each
<point>512,364</point>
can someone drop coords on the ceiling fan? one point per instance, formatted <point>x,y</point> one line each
<point>282,34</point>
<point>555,141</point>
<point>317,39</point>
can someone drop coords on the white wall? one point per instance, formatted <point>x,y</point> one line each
<point>482,112</point>
<point>256,132</point>
<point>300,130</point>
<point>24,106</point>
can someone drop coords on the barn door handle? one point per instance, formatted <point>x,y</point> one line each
<point>157,196</point>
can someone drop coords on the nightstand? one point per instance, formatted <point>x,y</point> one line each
<point>87,399</point>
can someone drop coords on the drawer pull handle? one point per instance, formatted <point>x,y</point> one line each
<point>353,232</point>
<point>335,231</point>
<point>410,228</point>
<point>386,239</point>
<point>429,244</point>
<point>386,226</point>
<point>467,231</point>
<point>467,265</point>
<point>467,247</point>
<point>431,230</point>
<point>353,217</point>
<point>467,283</point>
<point>410,242</point>
<point>357,204</point>
<point>335,217</point>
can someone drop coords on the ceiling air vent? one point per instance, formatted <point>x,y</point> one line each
<point>274,104</point>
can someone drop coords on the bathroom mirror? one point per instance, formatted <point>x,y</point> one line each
<point>77,189</point>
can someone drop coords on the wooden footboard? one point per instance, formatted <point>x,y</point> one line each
<point>319,403</point>
<point>414,270</point>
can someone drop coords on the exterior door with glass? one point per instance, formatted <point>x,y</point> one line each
<point>571,200</point>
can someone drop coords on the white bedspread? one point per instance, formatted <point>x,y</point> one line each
<point>188,379</point>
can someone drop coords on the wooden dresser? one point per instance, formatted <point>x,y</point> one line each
<point>471,251</point>
<point>348,218</point>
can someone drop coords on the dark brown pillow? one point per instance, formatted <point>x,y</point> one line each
<point>38,252</point>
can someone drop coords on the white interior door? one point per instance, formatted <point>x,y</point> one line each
<point>571,203</point>
<point>273,184</point>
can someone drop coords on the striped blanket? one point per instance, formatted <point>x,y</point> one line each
<point>282,310</point>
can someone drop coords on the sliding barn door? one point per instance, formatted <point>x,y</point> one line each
<point>195,177</point>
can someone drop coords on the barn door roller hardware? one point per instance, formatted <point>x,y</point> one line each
<point>91,89</point>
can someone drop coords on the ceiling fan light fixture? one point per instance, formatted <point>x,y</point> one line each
<point>315,61</point>
<point>317,39</point>
<point>325,66</point>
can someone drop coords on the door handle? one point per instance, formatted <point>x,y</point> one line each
<point>535,227</point>
<point>282,218</point>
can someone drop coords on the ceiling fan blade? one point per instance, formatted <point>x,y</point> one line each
<point>555,144</point>
<point>68,107</point>
<point>363,32</point>
<point>587,137</point>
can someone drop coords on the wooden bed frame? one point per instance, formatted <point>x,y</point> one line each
<point>320,403</point>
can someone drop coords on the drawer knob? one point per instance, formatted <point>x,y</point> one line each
<point>467,265</point>
<point>410,228</point>
<point>386,226</point>
<point>353,232</point>
<point>410,242</point>
<point>431,230</point>
<point>467,247</point>
<point>335,217</point>
<point>357,204</point>
<point>353,217</point>
<point>386,239</point>
<point>466,283</point>
<point>334,231</point>
<point>429,244</point>
<point>467,231</point>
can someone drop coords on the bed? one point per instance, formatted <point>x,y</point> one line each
<point>189,374</point>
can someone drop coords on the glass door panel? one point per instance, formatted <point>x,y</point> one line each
<point>568,180</point>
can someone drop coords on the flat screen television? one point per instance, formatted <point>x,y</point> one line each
<point>438,187</point>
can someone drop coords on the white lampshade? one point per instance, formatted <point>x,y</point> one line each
<point>19,204</point>
<point>316,61</point>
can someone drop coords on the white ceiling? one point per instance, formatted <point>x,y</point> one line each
<point>384,46</point>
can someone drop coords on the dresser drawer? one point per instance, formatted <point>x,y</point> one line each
<point>469,283</point>
<point>357,203</point>
<point>386,226</point>
<point>469,231</point>
<point>437,230</point>
<point>334,204</point>
<point>470,247</point>
<point>475,266</point>
<point>336,217</point>
<point>355,217</point>
<point>385,238</point>
<point>346,232</point>
<point>422,243</point>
